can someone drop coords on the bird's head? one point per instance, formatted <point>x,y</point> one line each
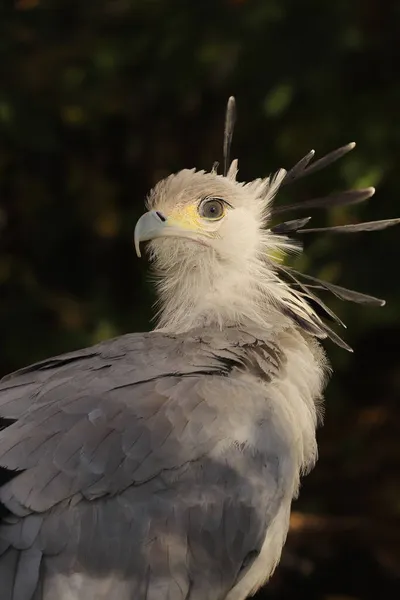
<point>197,218</point>
<point>209,243</point>
<point>214,251</point>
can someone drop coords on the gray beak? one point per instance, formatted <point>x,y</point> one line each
<point>150,225</point>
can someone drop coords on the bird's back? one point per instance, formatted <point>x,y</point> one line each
<point>133,468</point>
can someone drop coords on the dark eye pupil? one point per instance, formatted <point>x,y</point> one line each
<point>213,208</point>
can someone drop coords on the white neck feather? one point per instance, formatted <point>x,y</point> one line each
<point>205,291</point>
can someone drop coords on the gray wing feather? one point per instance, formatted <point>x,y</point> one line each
<point>117,471</point>
<point>8,569</point>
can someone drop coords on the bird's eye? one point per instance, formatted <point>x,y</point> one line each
<point>212,209</point>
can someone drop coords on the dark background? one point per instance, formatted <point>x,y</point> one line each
<point>99,99</point>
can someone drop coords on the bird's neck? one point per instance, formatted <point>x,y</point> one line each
<point>218,296</point>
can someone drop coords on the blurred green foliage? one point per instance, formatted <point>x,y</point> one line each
<point>101,98</point>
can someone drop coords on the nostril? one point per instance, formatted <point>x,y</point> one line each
<point>160,216</point>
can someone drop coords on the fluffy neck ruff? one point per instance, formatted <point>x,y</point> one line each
<point>204,289</point>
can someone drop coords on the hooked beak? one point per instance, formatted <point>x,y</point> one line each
<point>150,225</point>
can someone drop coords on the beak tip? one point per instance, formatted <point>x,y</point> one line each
<point>137,248</point>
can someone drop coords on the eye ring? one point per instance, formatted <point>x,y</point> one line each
<point>212,208</point>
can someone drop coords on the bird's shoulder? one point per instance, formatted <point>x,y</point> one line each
<point>97,420</point>
<point>137,357</point>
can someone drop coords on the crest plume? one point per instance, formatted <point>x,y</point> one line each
<point>230,119</point>
<point>308,310</point>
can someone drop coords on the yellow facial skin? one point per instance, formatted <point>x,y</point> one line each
<point>186,216</point>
